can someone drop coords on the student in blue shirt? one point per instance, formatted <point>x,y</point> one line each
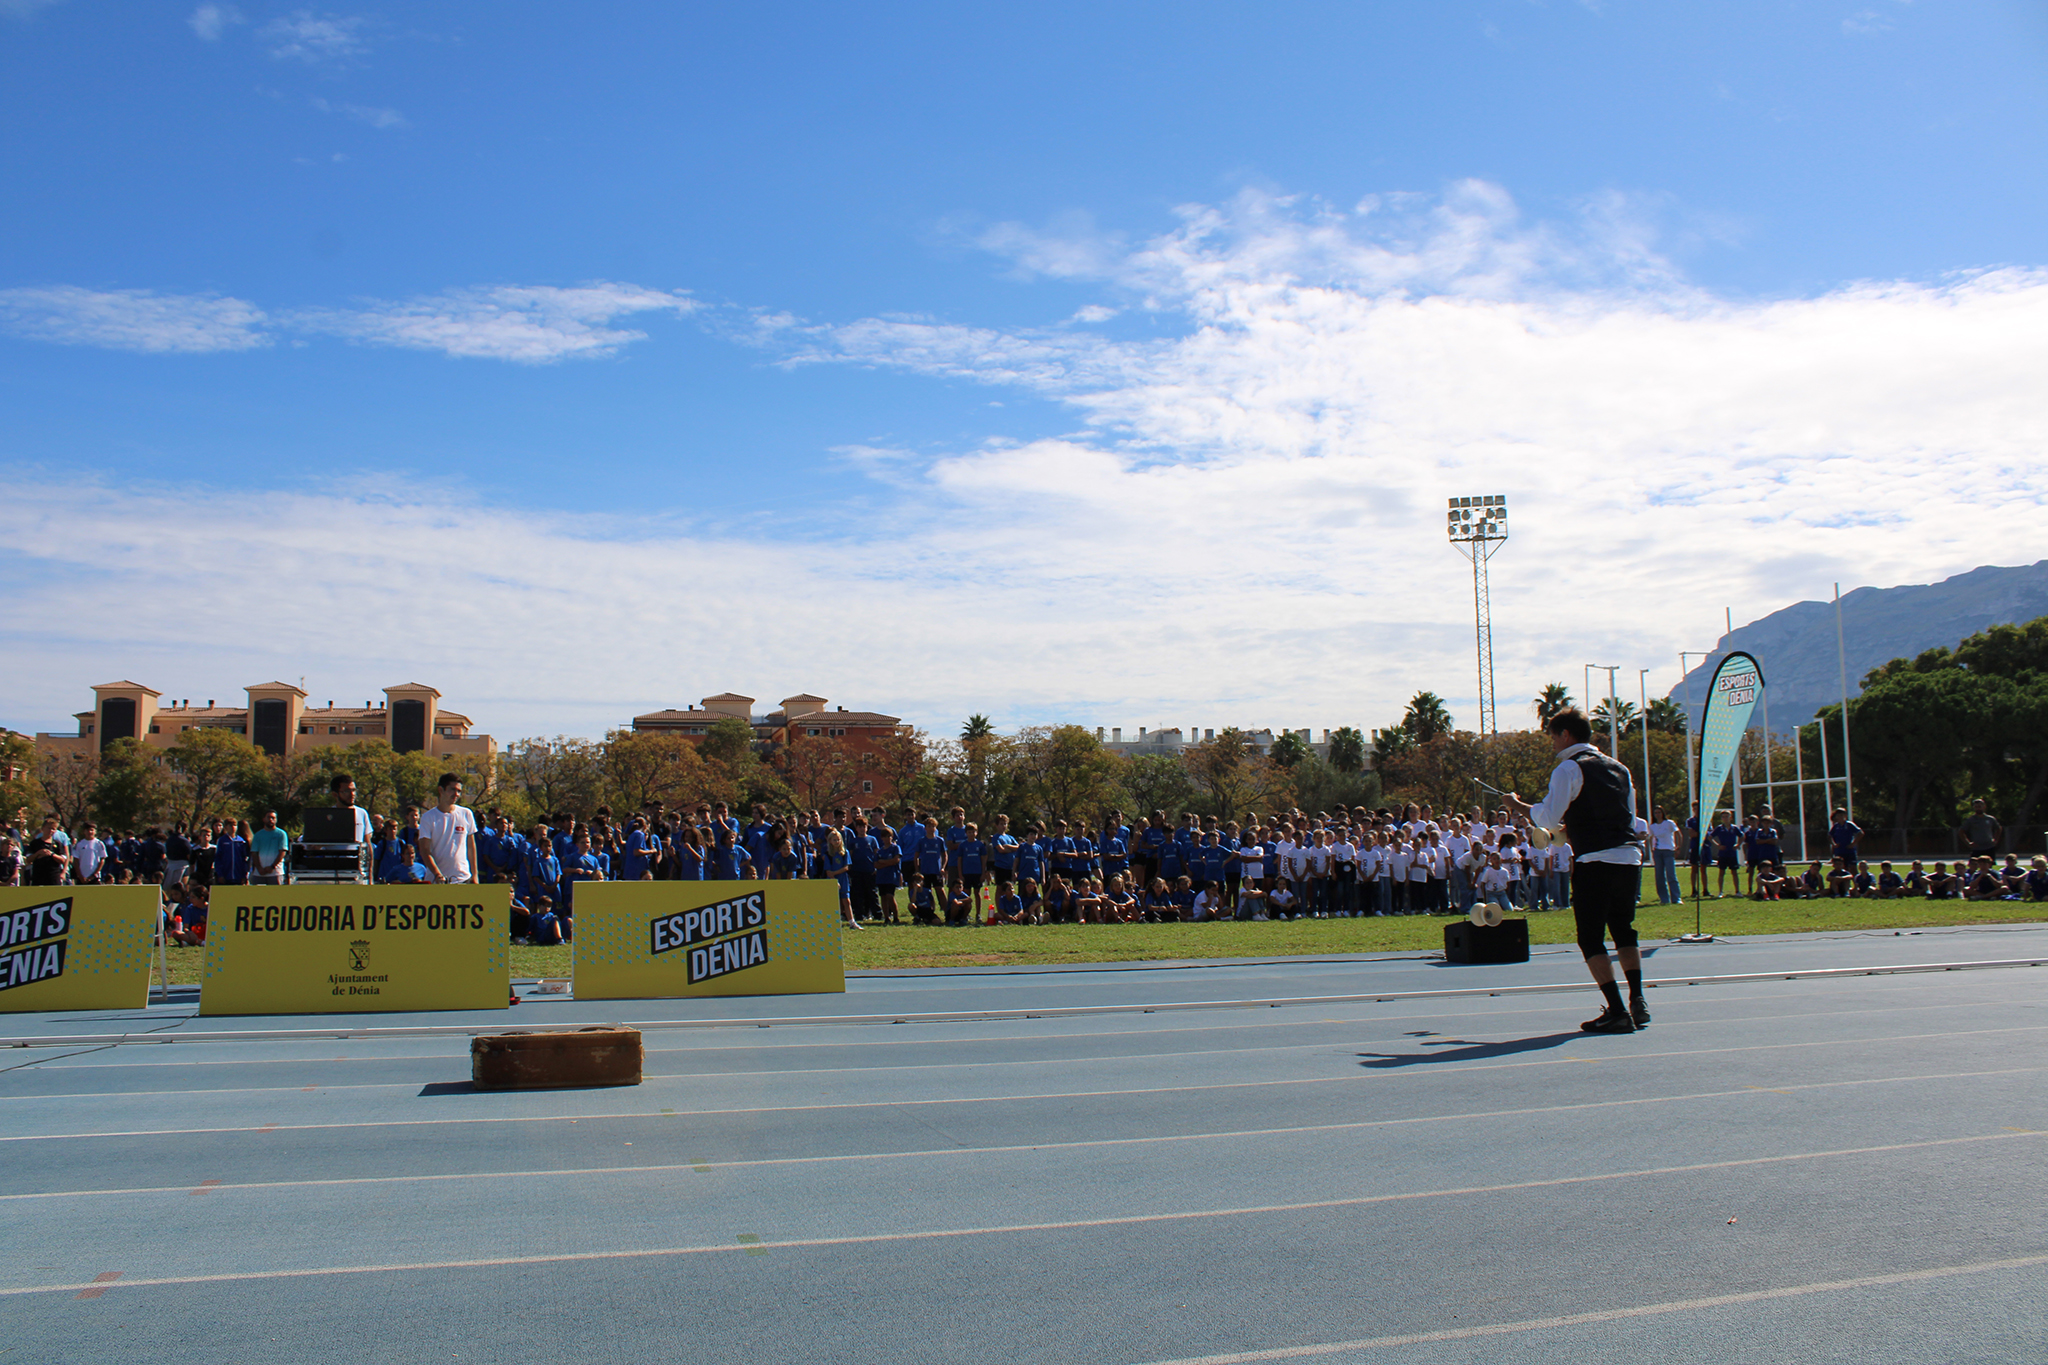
<point>636,863</point>
<point>1065,855</point>
<point>691,856</point>
<point>1172,860</point>
<point>1115,849</point>
<point>386,851</point>
<point>923,905</point>
<point>861,850</point>
<point>755,837</point>
<point>410,871</point>
<point>834,862</point>
<point>542,875</point>
<point>909,838</point>
<point>1002,855</point>
<point>722,864</point>
<point>1846,838</point>
<point>973,867</point>
<point>888,877</point>
<point>231,860</point>
<point>932,855</point>
<point>956,834</point>
<point>583,866</point>
<point>1031,855</point>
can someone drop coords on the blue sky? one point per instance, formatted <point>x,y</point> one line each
<point>1093,363</point>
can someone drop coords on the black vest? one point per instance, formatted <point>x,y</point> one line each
<point>1602,815</point>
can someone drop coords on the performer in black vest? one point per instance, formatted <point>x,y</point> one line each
<point>1594,798</point>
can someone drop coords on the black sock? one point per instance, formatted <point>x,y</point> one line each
<point>1613,994</point>
<point>1635,983</point>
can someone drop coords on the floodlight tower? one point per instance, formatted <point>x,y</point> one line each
<point>1479,527</point>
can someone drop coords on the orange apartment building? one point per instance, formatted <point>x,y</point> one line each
<point>796,718</point>
<point>275,718</point>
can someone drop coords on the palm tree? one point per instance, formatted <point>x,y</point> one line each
<point>1427,717</point>
<point>1625,711</point>
<point>1666,717</point>
<point>978,726</point>
<point>1347,749</point>
<point>1289,749</point>
<point>1554,698</point>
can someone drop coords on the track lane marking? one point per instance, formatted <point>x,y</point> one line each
<point>1444,1069</point>
<point>1127,1220</point>
<point>703,1165</point>
<point>714,1044</point>
<point>1646,1310</point>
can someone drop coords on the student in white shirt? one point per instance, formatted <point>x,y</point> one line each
<point>448,834</point>
<point>1344,860</point>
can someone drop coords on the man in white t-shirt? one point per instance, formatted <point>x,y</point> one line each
<point>448,834</point>
<point>1664,854</point>
<point>88,856</point>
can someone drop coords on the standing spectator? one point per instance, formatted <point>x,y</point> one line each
<point>10,861</point>
<point>88,857</point>
<point>1664,853</point>
<point>343,788</point>
<point>177,855</point>
<point>447,842</point>
<point>1980,831</point>
<point>230,859</point>
<point>1845,837</point>
<point>266,852</point>
<point>48,861</point>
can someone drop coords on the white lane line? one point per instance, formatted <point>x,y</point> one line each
<point>1439,1068</point>
<point>1129,1220</point>
<point>1647,1310</point>
<point>853,1067</point>
<point>1746,1092</point>
<point>977,1015</point>
<point>713,1044</point>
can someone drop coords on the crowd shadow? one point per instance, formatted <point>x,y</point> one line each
<point>1459,1050</point>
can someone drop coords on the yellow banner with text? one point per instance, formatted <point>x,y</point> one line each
<point>636,940</point>
<point>310,949</point>
<point>76,947</point>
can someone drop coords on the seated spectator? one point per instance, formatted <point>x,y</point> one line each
<point>1812,885</point>
<point>1034,903</point>
<point>1184,898</point>
<point>1941,886</point>
<point>1864,883</point>
<point>1009,908</point>
<point>959,907</point>
<point>2012,874</point>
<point>1281,901</point>
<point>547,928</point>
<point>923,907</point>
<point>1120,905</point>
<point>1251,903</point>
<point>185,917</point>
<point>1158,906</point>
<point>522,922</point>
<point>1889,883</point>
<point>1982,882</point>
<point>1062,904</point>
<point>1839,878</point>
<point>1208,904</point>
<point>2037,880</point>
<point>1772,884</point>
<point>407,869</point>
<point>1916,879</point>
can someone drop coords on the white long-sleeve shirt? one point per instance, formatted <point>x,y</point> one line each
<point>1566,781</point>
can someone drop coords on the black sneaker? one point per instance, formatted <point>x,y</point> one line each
<point>1611,1020</point>
<point>1639,1012</point>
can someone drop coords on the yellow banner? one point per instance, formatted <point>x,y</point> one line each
<point>636,940</point>
<point>76,947</point>
<point>311,949</point>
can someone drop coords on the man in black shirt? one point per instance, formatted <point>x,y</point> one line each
<point>1594,798</point>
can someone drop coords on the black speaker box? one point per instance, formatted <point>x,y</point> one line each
<point>1469,943</point>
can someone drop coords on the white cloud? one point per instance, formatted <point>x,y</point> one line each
<point>1242,527</point>
<point>25,9</point>
<point>314,38</point>
<point>210,21</point>
<point>532,324</point>
<point>373,115</point>
<point>132,319</point>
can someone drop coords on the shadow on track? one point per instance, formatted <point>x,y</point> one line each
<point>1458,1050</point>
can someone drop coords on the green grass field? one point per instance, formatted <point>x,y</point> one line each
<point>889,946</point>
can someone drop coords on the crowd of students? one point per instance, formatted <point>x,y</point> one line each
<point>916,866</point>
<point>919,867</point>
<point>1751,855</point>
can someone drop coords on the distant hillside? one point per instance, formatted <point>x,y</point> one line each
<point>1796,646</point>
